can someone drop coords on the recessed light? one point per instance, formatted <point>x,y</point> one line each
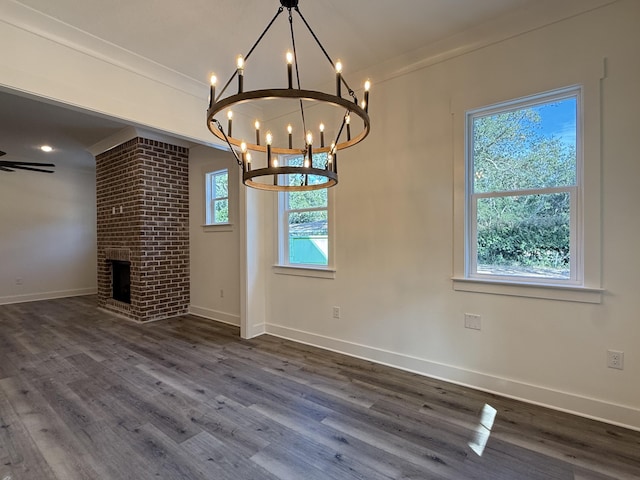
<point>46,148</point>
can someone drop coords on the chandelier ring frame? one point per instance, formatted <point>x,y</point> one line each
<point>287,93</point>
<point>331,178</point>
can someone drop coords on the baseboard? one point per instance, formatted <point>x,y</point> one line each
<point>255,330</point>
<point>223,317</point>
<point>34,297</point>
<point>621,415</point>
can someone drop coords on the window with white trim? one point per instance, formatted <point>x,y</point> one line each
<point>304,226</point>
<point>523,190</point>
<point>217,197</point>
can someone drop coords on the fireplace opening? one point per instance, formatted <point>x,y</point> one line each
<point>121,281</point>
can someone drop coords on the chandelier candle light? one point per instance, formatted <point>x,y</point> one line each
<point>312,174</point>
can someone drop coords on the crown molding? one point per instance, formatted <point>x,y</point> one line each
<point>37,23</point>
<point>533,17</point>
<point>130,133</point>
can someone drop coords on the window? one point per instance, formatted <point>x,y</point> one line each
<point>217,197</point>
<point>304,225</point>
<point>523,190</point>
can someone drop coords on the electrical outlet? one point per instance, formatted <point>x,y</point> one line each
<point>221,293</point>
<point>472,321</point>
<point>19,281</point>
<point>615,359</point>
<point>336,312</point>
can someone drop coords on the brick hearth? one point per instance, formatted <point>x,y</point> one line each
<point>143,217</point>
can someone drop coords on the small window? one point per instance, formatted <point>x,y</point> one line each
<point>523,190</point>
<point>217,197</point>
<point>304,221</point>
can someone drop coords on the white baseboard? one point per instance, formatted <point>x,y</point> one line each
<point>223,317</point>
<point>255,330</point>
<point>34,297</point>
<point>621,415</point>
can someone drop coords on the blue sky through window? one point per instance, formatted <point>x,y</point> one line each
<point>559,119</point>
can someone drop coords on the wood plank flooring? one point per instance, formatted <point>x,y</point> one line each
<point>85,395</point>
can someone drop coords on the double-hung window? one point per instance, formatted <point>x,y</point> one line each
<point>217,197</point>
<point>304,239</point>
<point>523,190</point>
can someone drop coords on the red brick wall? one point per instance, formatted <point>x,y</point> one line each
<point>150,181</point>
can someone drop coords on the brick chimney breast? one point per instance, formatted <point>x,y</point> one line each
<point>142,189</point>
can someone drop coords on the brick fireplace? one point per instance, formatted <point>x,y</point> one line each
<point>142,189</point>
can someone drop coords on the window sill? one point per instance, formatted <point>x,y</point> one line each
<point>218,227</point>
<point>569,293</point>
<point>315,272</point>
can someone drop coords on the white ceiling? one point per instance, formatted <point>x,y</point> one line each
<point>198,37</point>
<point>195,36</point>
<point>27,124</point>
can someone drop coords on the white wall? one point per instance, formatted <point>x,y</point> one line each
<point>396,244</point>
<point>48,234</point>
<point>234,258</point>
<point>214,251</point>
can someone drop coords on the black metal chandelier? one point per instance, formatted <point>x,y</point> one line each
<point>347,125</point>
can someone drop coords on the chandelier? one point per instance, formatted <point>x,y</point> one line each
<point>299,127</point>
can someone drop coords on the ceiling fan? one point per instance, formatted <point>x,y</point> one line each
<point>10,165</point>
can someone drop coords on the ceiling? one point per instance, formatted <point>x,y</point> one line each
<point>195,36</point>
<point>26,124</point>
<point>198,37</point>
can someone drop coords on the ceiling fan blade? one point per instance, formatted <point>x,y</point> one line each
<point>11,165</point>
<point>26,164</point>
<point>31,169</point>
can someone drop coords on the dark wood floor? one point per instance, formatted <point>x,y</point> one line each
<point>85,395</point>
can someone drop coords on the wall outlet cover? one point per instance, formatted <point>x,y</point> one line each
<point>472,321</point>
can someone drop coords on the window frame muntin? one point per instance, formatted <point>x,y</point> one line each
<point>283,266</point>
<point>573,246</point>
<point>576,247</point>
<point>211,199</point>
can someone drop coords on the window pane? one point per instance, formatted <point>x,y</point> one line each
<point>527,148</point>
<point>298,180</point>
<point>319,161</point>
<point>221,208</point>
<point>308,238</point>
<point>525,235</point>
<point>222,185</point>
<point>310,199</point>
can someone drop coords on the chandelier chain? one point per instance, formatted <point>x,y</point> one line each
<point>295,61</point>
<point>219,125</point>
<point>235,73</point>
<point>351,92</point>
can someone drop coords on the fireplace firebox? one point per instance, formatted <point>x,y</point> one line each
<point>121,280</point>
